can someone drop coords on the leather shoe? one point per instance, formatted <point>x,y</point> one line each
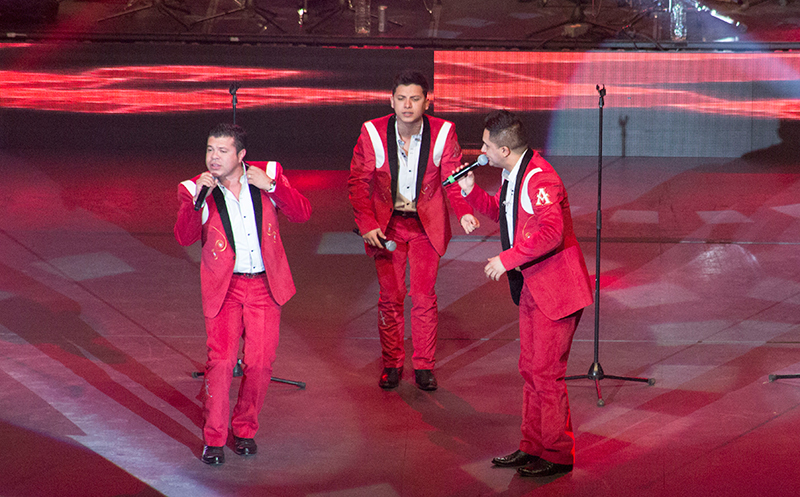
<point>425,379</point>
<point>516,458</point>
<point>213,455</point>
<point>390,378</point>
<point>244,446</point>
<point>544,468</point>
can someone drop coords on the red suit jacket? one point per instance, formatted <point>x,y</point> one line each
<point>544,247</point>
<point>373,169</point>
<point>213,228</point>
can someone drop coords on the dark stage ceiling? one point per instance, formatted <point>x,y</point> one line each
<point>497,24</point>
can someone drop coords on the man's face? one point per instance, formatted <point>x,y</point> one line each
<point>409,103</point>
<point>222,160</point>
<point>497,155</point>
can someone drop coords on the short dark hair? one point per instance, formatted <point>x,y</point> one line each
<point>234,131</point>
<point>410,77</point>
<point>506,130</point>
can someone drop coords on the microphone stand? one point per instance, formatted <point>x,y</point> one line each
<point>596,370</point>
<point>237,369</point>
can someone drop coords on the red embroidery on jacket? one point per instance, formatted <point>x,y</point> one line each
<point>220,244</point>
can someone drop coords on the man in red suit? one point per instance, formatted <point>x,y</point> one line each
<point>548,280</point>
<point>244,278</point>
<point>396,191</point>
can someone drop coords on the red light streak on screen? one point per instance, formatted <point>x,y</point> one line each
<point>543,81</point>
<point>152,89</point>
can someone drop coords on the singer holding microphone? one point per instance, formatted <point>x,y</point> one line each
<point>548,280</point>
<point>395,187</point>
<point>232,208</point>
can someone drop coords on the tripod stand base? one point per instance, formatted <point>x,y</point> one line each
<point>237,372</point>
<point>596,373</point>
<point>774,377</point>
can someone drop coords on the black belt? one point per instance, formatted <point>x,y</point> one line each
<point>251,275</point>
<point>405,214</point>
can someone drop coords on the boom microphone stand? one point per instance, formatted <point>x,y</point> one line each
<point>237,369</point>
<point>774,377</point>
<point>595,370</point>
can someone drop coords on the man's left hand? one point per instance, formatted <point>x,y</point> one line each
<point>258,178</point>
<point>470,223</point>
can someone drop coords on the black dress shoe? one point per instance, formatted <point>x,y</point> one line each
<point>244,446</point>
<point>544,468</point>
<point>390,378</point>
<point>517,458</point>
<point>425,379</point>
<point>213,455</point>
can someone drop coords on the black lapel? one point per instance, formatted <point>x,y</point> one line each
<point>515,278</point>
<point>258,208</point>
<point>219,199</point>
<point>526,158</point>
<point>391,152</point>
<point>424,151</point>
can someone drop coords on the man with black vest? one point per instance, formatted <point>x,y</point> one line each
<point>549,282</point>
<point>395,188</point>
<point>244,278</point>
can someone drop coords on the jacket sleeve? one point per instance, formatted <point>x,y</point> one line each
<point>543,232</point>
<point>288,200</point>
<point>189,225</point>
<point>361,183</point>
<point>451,159</point>
<point>484,203</point>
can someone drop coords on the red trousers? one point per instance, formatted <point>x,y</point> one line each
<point>544,350</point>
<point>248,311</point>
<point>412,246</point>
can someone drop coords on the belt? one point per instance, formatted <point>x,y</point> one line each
<point>406,214</point>
<point>250,275</point>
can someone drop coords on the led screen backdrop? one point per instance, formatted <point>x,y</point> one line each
<point>657,104</point>
<point>311,101</point>
<point>303,101</point>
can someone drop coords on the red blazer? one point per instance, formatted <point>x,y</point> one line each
<point>370,183</point>
<point>544,245</point>
<point>213,228</point>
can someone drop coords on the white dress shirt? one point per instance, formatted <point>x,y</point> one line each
<point>407,167</point>
<point>243,225</point>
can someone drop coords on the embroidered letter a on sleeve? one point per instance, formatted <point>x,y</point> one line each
<point>543,198</point>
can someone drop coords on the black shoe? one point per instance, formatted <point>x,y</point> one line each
<point>515,459</point>
<point>544,468</point>
<point>390,378</point>
<point>244,446</point>
<point>213,455</point>
<point>425,379</point>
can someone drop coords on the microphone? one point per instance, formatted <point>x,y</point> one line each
<point>389,245</point>
<point>201,198</point>
<point>482,161</point>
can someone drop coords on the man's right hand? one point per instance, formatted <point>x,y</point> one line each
<point>467,182</point>
<point>373,237</point>
<point>205,179</point>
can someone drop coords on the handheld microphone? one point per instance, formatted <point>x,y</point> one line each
<point>201,198</point>
<point>389,245</point>
<point>482,161</point>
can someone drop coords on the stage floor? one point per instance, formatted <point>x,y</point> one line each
<point>101,328</point>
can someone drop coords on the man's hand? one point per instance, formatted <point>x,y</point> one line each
<point>205,179</point>
<point>258,178</point>
<point>467,182</point>
<point>470,223</point>
<point>494,269</point>
<point>373,237</point>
